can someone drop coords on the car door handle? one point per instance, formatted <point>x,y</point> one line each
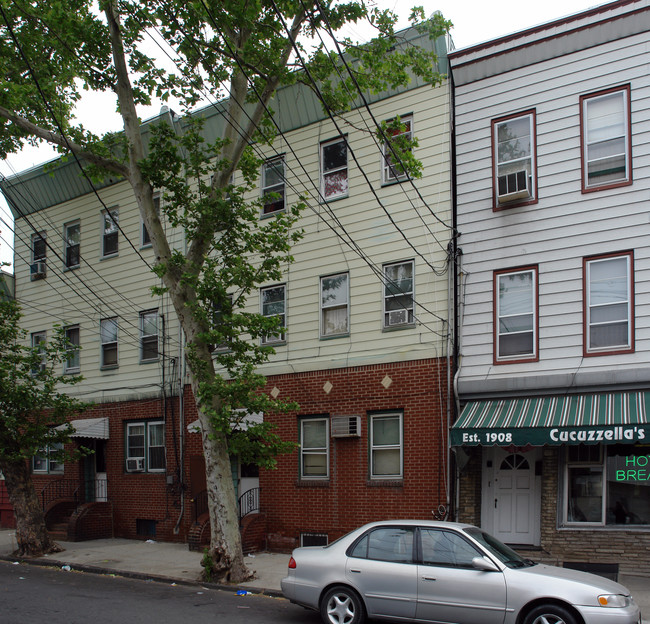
<point>355,571</point>
<point>428,578</point>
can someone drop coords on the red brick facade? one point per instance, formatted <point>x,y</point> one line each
<point>349,497</point>
<point>151,504</point>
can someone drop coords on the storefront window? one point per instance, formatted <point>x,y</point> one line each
<point>607,485</point>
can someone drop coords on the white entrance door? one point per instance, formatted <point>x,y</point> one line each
<point>512,496</point>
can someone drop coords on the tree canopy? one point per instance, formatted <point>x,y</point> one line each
<point>237,54</point>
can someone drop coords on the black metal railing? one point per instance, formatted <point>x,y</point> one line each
<point>78,492</point>
<point>249,502</point>
<point>200,503</point>
<point>59,489</point>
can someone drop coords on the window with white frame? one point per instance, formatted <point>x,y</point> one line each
<point>386,446</point>
<point>606,147</point>
<point>38,266</point>
<point>334,298</point>
<point>47,460</point>
<point>72,362</point>
<point>314,448</point>
<point>515,315</point>
<point>221,312</point>
<point>334,168</point>
<point>609,318</point>
<point>110,221</point>
<point>392,170</point>
<point>72,241</point>
<point>149,336</point>
<point>514,159</point>
<point>108,337</point>
<point>601,485</point>
<point>39,341</point>
<point>145,446</point>
<point>274,304</point>
<point>145,237</point>
<point>398,294</point>
<point>273,186</point>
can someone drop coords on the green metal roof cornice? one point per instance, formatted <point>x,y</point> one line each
<point>294,106</point>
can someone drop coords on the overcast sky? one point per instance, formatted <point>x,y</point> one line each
<point>474,21</point>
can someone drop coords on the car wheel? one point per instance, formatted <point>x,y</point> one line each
<point>550,614</point>
<point>342,605</point>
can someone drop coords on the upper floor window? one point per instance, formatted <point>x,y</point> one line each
<point>606,144</point>
<point>392,170</point>
<point>314,448</point>
<point>38,268</point>
<point>110,221</point>
<point>72,362</point>
<point>515,315</point>
<point>108,336</point>
<point>609,314</point>
<point>334,297</point>
<point>273,186</point>
<point>386,446</point>
<point>149,336</point>
<point>39,340</point>
<point>514,160</point>
<point>221,314</point>
<point>334,168</point>
<point>274,303</point>
<point>145,446</point>
<point>71,240</point>
<point>398,294</point>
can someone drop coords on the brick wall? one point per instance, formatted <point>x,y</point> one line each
<point>349,497</point>
<point>628,548</point>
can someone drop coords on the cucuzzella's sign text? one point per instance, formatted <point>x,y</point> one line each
<point>618,433</point>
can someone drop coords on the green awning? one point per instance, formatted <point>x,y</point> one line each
<point>609,418</point>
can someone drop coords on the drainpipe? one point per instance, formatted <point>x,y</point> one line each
<point>181,428</point>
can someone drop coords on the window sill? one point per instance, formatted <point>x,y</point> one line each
<point>72,371</point>
<point>152,361</point>
<point>102,258</point>
<point>71,268</point>
<point>109,367</point>
<point>397,482</point>
<point>279,343</point>
<point>269,215</point>
<point>329,200</point>
<point>317,483</point>
<point>399,180</point>
<point>346,335</point>
<point>399,327</point>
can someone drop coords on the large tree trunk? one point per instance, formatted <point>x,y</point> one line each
<point>225,557</point>
<point>31,534</point>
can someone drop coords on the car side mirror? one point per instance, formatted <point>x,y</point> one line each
<point>481,563</point>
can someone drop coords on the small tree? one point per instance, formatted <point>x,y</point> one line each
<point>34,418</point>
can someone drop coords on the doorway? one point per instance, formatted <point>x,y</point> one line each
<point>511,495</point>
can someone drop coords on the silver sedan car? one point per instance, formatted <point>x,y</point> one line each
<point>445,572</point>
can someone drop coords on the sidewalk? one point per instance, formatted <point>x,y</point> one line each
<point>174,563</point>
<point>150,560</point>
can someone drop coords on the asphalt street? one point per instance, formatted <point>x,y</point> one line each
<point>33,595</point>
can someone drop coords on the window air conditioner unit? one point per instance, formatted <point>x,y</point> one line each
<point>513,186</point>
<point>37,269</point>
<point>346,426</point>
<point>398,317</point>
<point>135,464</point>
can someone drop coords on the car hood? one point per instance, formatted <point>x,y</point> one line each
<point>561,580</point>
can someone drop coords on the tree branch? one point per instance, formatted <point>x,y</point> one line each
<point>56,139</point>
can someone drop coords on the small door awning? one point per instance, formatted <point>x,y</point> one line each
<point>608,418</point>
<point>89,428</point>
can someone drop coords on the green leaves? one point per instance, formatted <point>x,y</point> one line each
<point>31,401</point>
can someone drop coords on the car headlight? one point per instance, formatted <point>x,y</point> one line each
<point>614,600</point>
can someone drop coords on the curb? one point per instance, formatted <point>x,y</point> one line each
<point>141,576</point>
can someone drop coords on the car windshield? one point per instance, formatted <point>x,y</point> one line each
<point>503,553</point>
